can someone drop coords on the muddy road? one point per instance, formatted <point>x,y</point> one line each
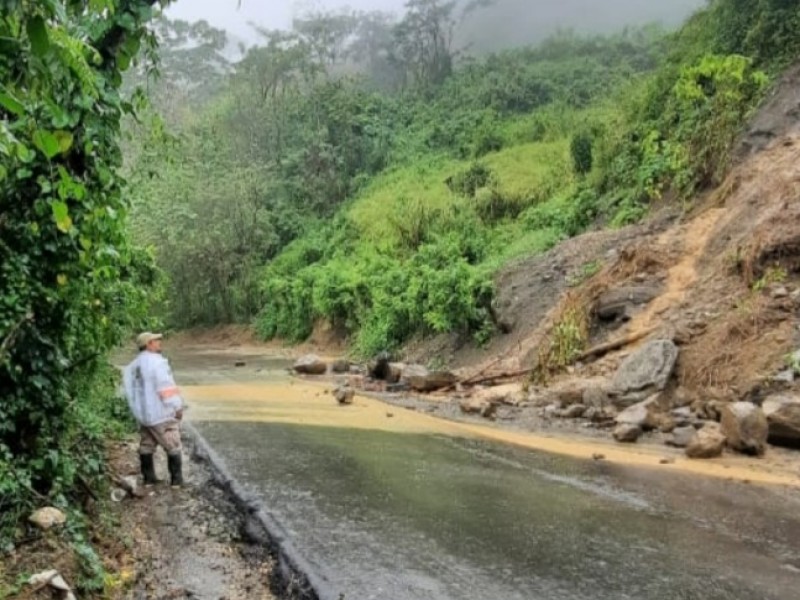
<point>381,502</point>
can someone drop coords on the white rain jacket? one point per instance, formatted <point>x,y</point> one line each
<point>150,389</point>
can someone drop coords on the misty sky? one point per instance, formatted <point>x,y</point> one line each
<point>271,14</point>
<point>520,21</point>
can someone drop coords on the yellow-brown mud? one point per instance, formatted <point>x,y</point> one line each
<point>308,404</point>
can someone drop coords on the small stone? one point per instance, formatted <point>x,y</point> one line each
<point>45,518</point>
<point>627,433</point>
<point>344,395</point>
<point>667,461</point>
<point>489,410</point>
<point>389,415</point>
<point>240,363</point>
<point>779,292</point>
<point>785,376</point>
<point>598,456</point>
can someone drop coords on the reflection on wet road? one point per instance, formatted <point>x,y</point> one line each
<point>399,507</point>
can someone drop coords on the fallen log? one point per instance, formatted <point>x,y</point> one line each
<point>603,349</point>
<point>499,376</point>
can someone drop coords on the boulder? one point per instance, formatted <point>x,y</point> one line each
<point>588,392</point>
<point>620,303</point>
<point>681,436</point>
<point>310,364</point>
<point>745,427</point>
<point>432,381</point>
<point>344,395</point>
<point>575,411</point>
<point>627,433</point>
<point>645,371</point>
<point>414,370</point>
<point>47,517</point>
<point>599,415</point>
<point>647,414</point>
<point>597,395</point>
<point>395,372</point>
<point>708,442</point>
<point>379,367</point>
<point>783,418</point>
<point>341,366</point>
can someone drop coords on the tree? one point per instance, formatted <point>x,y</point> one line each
<point>423,42</point>
<point>191,68</point>
<point>327,34</point>
<point>370,48</point>
<point>71,284</point>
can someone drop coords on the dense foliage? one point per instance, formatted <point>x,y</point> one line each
<point>71,283</point>
<point>368,173</point>
<point>290,145</point>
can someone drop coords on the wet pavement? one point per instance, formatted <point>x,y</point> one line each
<point>385,503</point>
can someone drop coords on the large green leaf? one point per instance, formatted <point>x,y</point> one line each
<point>61,216</point>
<point>37,34</point>
<point>65,140</point>
<point>47,142</point>
<point>10,103</point>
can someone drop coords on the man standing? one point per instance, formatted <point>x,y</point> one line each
<point>156,403</point>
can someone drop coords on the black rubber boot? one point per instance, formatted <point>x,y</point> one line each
<point>148,469</point>
<point>175,463</point>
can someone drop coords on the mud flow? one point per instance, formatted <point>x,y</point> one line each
<point>381,502</point>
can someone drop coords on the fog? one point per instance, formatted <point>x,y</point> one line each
<point>235,15</point>
<point>506,23</point>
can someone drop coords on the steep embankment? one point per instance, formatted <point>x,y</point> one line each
<point>720,284</point>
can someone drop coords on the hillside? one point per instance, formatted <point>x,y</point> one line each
<point>387,207</point>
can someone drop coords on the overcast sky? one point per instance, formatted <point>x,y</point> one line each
<point>271,14</point>
<point>533,19</point>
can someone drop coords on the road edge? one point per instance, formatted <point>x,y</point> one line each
<point>295,575</point>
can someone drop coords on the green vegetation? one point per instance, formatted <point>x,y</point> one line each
<point>382,192</point>
<point>71,283</point>
<point>357,169</point>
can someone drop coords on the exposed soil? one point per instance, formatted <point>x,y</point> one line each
<point>528,291</point>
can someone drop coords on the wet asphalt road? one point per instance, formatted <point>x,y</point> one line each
<point>379,514</point>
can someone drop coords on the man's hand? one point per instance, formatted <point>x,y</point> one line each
<point>179,415</point>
